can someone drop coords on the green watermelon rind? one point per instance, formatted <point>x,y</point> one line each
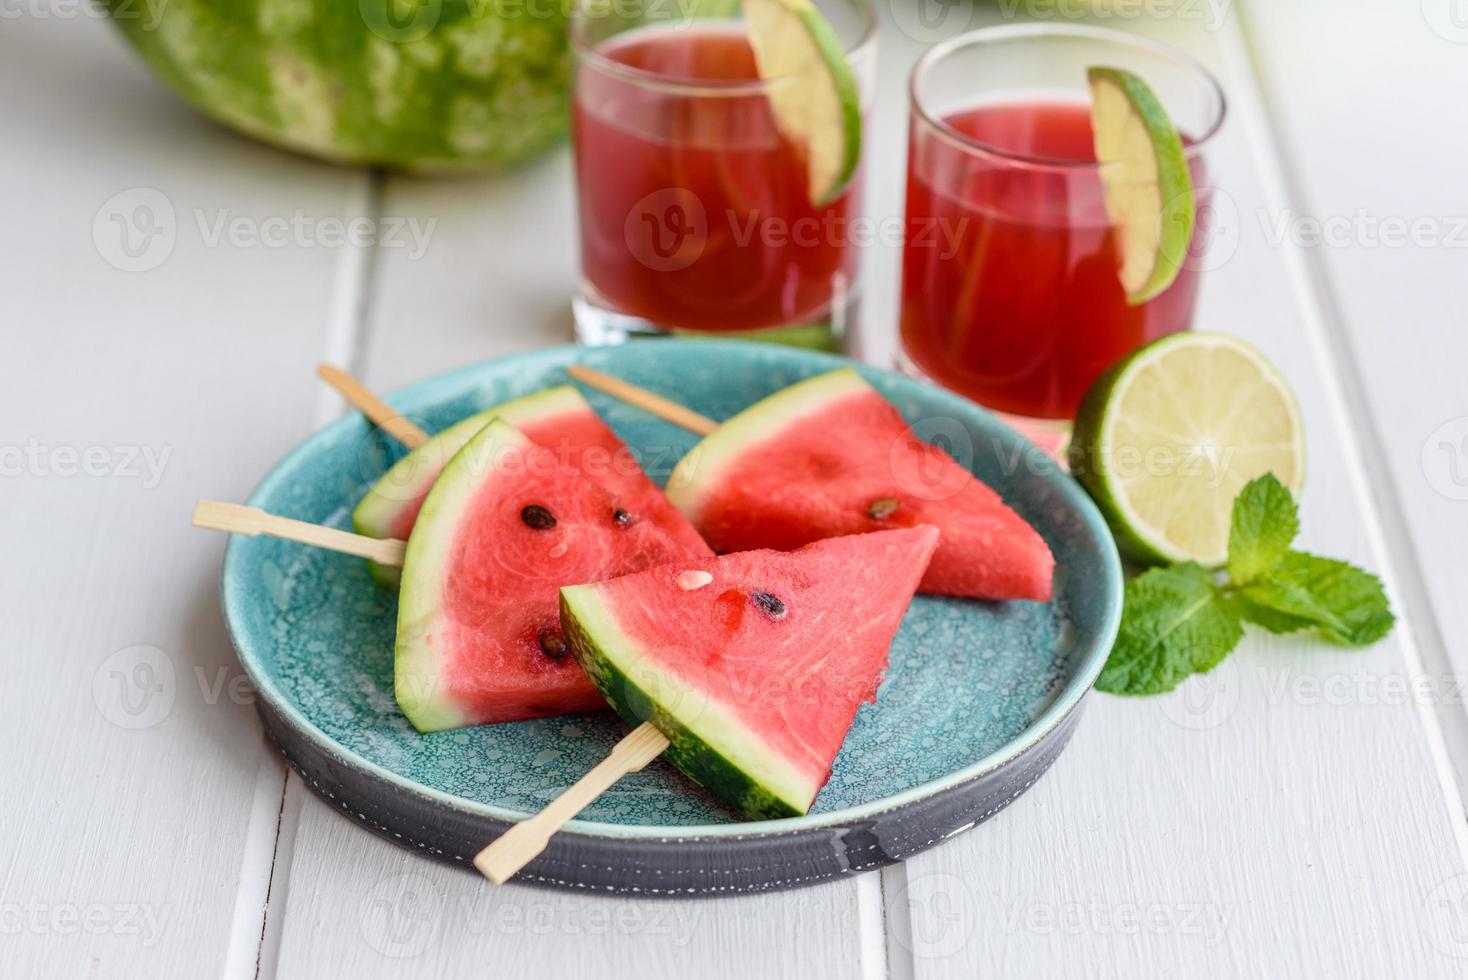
<point>721,755</point>
<point>455,86</point>
<point>418,682</point>
<point>701,469</point>
<point>406,479</point>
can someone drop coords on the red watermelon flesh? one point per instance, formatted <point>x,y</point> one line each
<point>830,456</point>
<point>506,525</point>
<point>557,418</point>
<point>753,664</point>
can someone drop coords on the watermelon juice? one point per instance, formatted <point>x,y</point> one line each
<point>693,206</point>
<point>1020,306</point>
<point>1011,287</point>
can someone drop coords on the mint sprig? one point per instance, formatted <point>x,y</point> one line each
<point>1182,619</point>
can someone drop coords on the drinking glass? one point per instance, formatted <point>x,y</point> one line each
<point>1010,286</point>
<point>693,206</point>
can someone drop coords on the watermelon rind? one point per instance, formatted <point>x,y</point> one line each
<point>725,757</point>
<point>410,477</point>
<point>450,85</point>
<point>420,688</point>
<point>700,469</point>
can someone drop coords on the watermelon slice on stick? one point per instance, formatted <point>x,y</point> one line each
<point>830,456</point>
<point>753,664</point>
<point>506,524</point>
<point>557,418</point>
<point>747,669</point>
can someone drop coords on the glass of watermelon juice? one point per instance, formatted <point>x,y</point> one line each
<point>695,214</point>
<point>1010,286</point>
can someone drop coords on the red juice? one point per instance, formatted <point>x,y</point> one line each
<point>1010,290</point>
<point>693,207</point>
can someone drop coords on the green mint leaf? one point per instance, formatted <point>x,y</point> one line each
<point>1271,619</point>
<point>1346,604</point>
<point>1265,522</point>
<point>1175,623</point>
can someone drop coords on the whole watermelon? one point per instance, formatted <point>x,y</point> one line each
<point>408,84</point>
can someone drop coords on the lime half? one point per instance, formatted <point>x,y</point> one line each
<point>1165,440</point>
<point>1144,171</point>
<point>816,100</point>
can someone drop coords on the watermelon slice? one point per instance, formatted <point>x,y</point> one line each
<point>752,664</point>
<point>831,456</point>
<point>557,418</point>
<point>506,525</point>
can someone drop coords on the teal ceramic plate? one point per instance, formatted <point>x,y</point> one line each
<point>979,699</point>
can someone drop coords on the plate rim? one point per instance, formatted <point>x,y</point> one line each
<point>1053,714</point>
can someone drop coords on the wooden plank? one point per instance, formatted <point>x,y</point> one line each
<point>1383,227</point>
<point>142,808</point>
<point>495,278</point>
<point>361,907</point>
<point>1287,815</point>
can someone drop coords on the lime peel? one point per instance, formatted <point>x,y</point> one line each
<point>1144,173</point>
<point>1170,499</point>
<point>814,95</point>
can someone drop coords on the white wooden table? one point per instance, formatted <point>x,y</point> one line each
<point>1298,813</point>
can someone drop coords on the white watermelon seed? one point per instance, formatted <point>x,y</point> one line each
<point>693,579</point>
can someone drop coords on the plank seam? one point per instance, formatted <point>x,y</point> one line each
<point>1419,637</point>
<point>897,917</point>
<point>274,861</point>
<point>346,341</point>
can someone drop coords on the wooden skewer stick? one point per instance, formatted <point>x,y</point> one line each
<point>380,412</point>
<point>216,515</point>
<point>657,405</point>
<point>517,846</point>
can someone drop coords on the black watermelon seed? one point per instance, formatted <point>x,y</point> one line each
<point>882,508</point>
<point>622,518</point>
<point>768,604</point>
<point>538,517</point>
<point>551,644</point>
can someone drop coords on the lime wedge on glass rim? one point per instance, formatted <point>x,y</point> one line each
<point>1165,440</point>
<point>816,100</point>
<point>1144,173</point>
